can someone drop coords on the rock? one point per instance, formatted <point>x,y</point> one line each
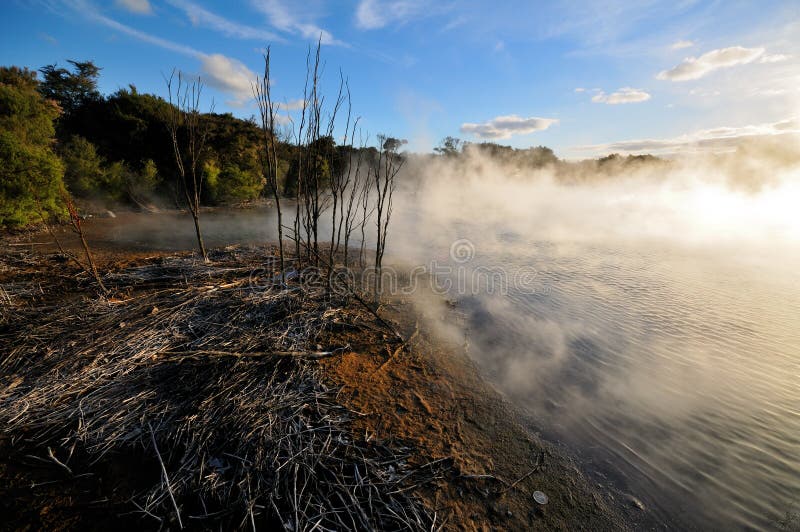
<point>634,502</point>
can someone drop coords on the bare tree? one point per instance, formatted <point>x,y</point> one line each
<point>313,199</point>
<point>189,133</point>
<point>317,153</point>
<point>300,161</point>
<point>367,211</point>
<point>340,174</point>
<point>306,135</point>
<point>268,153</point>
<point>353,193</point>
<point>385,169</point>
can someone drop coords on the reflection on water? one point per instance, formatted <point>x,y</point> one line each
<point>672,372</point>
<point>172,231</point>
<point>680,372</point>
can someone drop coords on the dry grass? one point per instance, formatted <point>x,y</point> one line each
<point>211,371</point>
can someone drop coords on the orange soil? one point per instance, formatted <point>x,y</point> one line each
<point>431,397</point>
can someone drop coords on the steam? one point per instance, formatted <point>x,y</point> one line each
<point>664,304</point>
<point>746,198</point>
<point>732,210</point>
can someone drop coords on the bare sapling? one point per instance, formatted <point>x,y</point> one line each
<point>339,175</point>
<point>367,210</point>
<point>319,148</point>
<point>268,153</point>
<point>77,226</point>
<point>300,178</point>
<point>189,132</point>
<point>386,168</point>
<point>311,189</point>
<point>353,192</point>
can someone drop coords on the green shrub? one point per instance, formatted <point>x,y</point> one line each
<point>30,172</point>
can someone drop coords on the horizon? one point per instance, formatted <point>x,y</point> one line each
<point>585,81</point>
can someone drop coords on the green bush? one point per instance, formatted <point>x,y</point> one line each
<point>83,167</point>
<point>31,183</point>
<point>230,183</point>
<point>236,184</point>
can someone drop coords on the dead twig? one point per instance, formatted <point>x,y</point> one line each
<point>59,462</point>
<point>166,476</point>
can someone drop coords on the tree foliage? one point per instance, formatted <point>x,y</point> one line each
<point>30,172</point>
<point>449,146</point>
<point>84,170</point>
<point>71,89</point>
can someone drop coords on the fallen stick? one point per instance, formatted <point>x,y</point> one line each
<point>529,473</point>
<point>397,351</point>
<point>166,477</point>
<point>59,462</point>
<point>257,354</point>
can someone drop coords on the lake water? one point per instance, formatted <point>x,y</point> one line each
<point>672,373</point>
<point>674,376</point>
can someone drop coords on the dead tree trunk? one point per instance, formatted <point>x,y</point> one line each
<point>386,168</point>
<point>188,131</point>
<point>339,175</point>
<point>268,152</point>
<point>353,193</point>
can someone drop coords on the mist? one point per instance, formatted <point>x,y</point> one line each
<point>658,307</point>
<point>744,197</point>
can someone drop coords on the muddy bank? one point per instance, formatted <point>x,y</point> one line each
<point>198,394</point>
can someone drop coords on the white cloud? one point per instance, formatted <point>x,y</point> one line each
<point>140,7</point>
<point>580,89</point>
<point>294,18</point>
<point>202,17</point>
<point>623,95</point>
<point>713,140</point>
<point>460,20</point>
<point>695,68</point>
<point>774,58</point>
<point>291,105</point>
<point>47,37</point>
<point>679,45</point>
<point>218,71</point>
<point>504,127</point>
<point>368,16</point>
<point>771,92</point>
<point>228,75</point>
<point>375,14</point>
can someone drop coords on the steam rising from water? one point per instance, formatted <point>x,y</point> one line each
<point>662,336</point>
<point>734,200</point>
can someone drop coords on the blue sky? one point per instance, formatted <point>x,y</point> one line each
<point>583,77</point>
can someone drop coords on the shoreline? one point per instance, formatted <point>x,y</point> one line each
<point>427,397</point>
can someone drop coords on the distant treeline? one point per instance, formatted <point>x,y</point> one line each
<point>58,134</point>
<point>521,161</point>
